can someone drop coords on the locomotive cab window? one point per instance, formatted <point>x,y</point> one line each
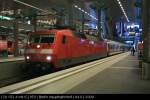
<point>47,39</point>
<point>63,39</point>
<point>42,39</point>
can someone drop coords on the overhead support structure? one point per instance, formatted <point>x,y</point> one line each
<point>146,37</point>
<point>108,19</point>
<point>83,22</point>
<point>99,7</point>
<point>99,23</point>
<point>33,15</point>
<point>35,22</point>
<point>83,18</point>
<point>70,13</point>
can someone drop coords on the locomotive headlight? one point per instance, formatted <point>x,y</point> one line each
<point>38,46</point>
<point>27,57</point>
<point>48,58</point>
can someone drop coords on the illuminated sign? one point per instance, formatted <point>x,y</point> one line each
<point>132,33</point>
<point>49,22</point>
<point>8,12</point>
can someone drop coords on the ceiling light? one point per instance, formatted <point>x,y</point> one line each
<point>85,12</point>
<point>123,10</point>
<point>26,4</point>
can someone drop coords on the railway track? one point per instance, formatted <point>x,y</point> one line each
<point>20,78</point>
<point>13,80</point>
<point>60,82</point>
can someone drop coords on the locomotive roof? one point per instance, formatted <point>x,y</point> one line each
<point>54,31</point>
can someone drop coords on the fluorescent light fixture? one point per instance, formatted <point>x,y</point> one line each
<point>120,4</point>
<point>85,12</point>
<point>79,8</point>
<point>76,6</point>
<point>5,17</point>
<point>87,24</point>
<point>129,41</point>
<point>21,29</point>
<point>137,26</point>
<point>140,30</point>
<point>3,26</point>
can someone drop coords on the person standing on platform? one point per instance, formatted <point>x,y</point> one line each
<point>132,51</point>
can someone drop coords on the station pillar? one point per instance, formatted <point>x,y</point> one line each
<point>83,22</point>
<point>146,37</point>
<point>16,31</point>
<point>35,22</point>
<point>99,7</point>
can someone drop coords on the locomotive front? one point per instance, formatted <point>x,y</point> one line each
<point>39,51</point>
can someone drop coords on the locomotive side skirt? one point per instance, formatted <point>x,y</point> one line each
<point>78,60</point>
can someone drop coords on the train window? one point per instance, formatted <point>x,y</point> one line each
<point>35,40</point>
<point>47,39</point>
<point>63,39</point>
<point>41,39</point>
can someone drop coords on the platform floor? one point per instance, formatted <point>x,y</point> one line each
<point>11,58</point>
<point>123,77</point>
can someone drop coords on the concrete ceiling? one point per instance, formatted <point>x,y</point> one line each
<point>50,5</point>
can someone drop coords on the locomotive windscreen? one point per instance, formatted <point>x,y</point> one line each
<point>42,38</point>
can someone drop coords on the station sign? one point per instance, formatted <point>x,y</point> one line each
<point>132,33</point>
<point>7,12</point>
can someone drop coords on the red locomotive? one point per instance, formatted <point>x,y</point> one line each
<point>3,46</point>
<point>10,48</point>
<point>60,48</point>
<point>6,47</point>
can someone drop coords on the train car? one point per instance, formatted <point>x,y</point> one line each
<point>60,48</point>
<point>3,46</point>
<point>114,47</point>
<point>10,47</point>
<point>7,47</point>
